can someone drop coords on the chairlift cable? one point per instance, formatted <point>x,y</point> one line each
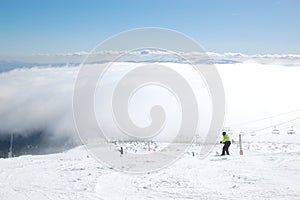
<point>269,117</point>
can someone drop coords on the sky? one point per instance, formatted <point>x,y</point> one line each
<point>62,26</point>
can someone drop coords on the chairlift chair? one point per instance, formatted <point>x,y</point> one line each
<point>227,130</point>
<point>275,130</point>
<point>291,131</point>
<point>253,133</point>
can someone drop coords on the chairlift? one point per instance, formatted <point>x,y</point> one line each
<point>227,130</point>
<point>291,131</point>
<point>275,130</point>
<point>242,132</point>
<point>253,133</point>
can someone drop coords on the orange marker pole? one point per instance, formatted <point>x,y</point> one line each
<point>149,149</point>
<point>240,140</point>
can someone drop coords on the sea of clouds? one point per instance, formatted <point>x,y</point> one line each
<point>38,98</point>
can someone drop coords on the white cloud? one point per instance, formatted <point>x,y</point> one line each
<point>158,55</point>
<point>41,98</point>
<point>37,100</point>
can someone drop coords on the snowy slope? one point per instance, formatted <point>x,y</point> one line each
<point>74,175</point>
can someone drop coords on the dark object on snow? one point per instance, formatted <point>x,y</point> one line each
<point>121,151</point>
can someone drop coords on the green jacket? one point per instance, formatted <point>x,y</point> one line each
<point>226,138</point>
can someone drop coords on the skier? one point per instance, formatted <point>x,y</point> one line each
<point>226,142</point>
<point>121,151</point>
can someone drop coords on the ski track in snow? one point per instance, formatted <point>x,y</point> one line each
<point>75,175</point>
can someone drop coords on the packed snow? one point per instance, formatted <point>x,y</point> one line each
<point>265,171</point>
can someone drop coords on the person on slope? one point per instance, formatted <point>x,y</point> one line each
<point>226,142</point>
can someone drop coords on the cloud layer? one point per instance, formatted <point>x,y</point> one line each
<point>38,103</point>
<point>39,99</point>
<point>144,55</point>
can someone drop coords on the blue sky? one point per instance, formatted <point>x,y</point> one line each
<point>62,26</point>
